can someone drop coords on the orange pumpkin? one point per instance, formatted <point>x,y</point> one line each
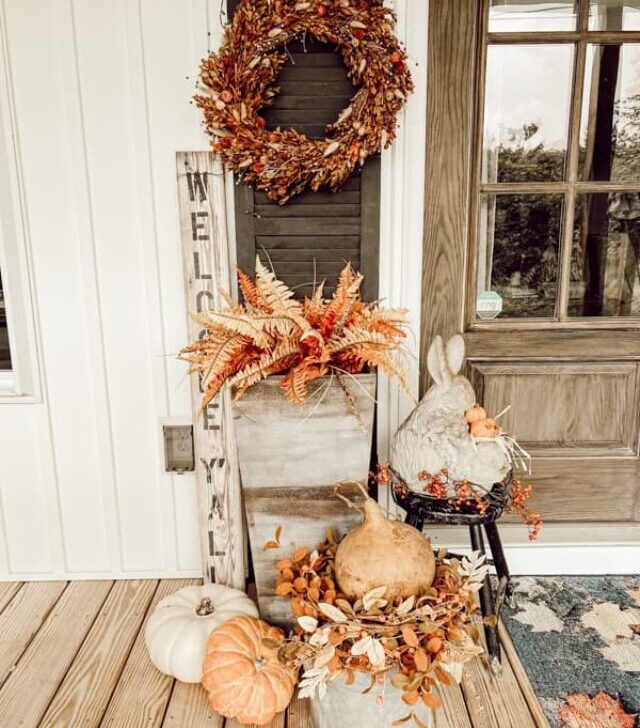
<point>485,428</point>
<point>242,673</point>
<point>475,414</point>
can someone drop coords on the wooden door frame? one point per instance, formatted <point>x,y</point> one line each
<point>452,79</point>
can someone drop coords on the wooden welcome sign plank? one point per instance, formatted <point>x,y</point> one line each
<point>205,251</point>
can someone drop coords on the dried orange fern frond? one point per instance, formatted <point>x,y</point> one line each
<point>280,359</point>
<point>273,333</point>
<point>249,290</point>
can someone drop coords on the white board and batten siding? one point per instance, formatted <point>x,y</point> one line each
<point>94,103</point>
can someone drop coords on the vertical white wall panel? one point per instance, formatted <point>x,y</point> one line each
<point>100,106</point>
<point>95,97</point>
<point>103,71</point>
<point>26,539</point>
<point>67,328</point>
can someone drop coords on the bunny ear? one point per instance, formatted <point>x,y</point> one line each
<point>455,353</point>
<point>437,362</point>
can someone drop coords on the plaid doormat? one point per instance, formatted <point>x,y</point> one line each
<point>578,638</point>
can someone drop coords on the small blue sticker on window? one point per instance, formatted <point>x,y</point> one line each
<point>488,305</point>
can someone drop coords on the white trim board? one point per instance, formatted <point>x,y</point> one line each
<point>101,575</point>
<point>560,549</point>
<point>401,217</point>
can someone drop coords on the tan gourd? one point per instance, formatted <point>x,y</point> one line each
<point>381,552</point>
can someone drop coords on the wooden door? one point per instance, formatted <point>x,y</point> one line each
<point>533,193</point>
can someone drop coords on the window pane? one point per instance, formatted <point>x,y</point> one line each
<point>614,15</point>
<point>528,92</point>
<point>610,124</point>
<point>605,260</point>
<point>531,15</point>
<point>5,356</point>
<point>518,252</point>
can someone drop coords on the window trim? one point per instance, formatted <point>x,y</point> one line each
<point>21,384</point>
<point>569,187</point>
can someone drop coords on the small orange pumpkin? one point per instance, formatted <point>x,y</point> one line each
<point>475,414</point>
<point>485,428</point>
<point>242,673</point>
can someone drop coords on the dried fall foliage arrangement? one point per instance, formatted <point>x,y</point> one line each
<point>238,82</point>
<point>272,333</point>
<point>414,641</point>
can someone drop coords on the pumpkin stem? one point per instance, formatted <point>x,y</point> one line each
<point>205,608</point>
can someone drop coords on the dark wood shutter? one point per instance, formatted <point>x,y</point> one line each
<point>311,237</point>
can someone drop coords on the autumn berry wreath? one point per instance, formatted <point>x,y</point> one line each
<point>239,80</point>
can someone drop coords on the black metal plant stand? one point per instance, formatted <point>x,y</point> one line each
<point>423,508</point>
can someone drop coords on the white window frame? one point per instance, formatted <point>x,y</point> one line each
<point>22,383</point>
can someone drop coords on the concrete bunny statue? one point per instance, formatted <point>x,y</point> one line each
<point>436,434</point>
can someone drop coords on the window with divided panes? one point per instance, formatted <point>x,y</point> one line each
<point>555,208</point>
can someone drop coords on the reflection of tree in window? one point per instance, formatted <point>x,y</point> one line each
<point>605,275</point>
<point>605,272</point>
<point>525,258</point>
<point>521,163</point>
<point>610,128</point>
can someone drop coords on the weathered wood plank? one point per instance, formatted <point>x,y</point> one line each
<point>304,515</point>
<point>188,707</point>
<point>308,242</point>
<point>306,226</point>
<point>342,196</point>
<point>320,87</point>
<point>206,271</point>
<point>8,590</point>
<point>494,701</point>
<point>308,211</point>
<point>292,102</point>
<point>306,268</point>
<point>528,693</point>
<point>453,712</point>
<point>316,443</point>
<point>312,73</point>
<point>142,692</point>
<point>299,713</point>
<point>317,60</point>
<point>302,117</point>
<point>86,689</point>
<point>31,686</point>
<point>450,96</point>
<point>339,255</point>
<point>370,228</point>
<point>314,131</point>
<point>22,618</point>
<point>277,722</point>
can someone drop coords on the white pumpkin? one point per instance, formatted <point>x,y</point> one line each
<point>176,633</point>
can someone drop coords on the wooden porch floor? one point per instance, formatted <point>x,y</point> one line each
<point>73,654</point>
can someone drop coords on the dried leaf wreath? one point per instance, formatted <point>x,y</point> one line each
<point>427,637</point>
<point>272,333</point>
<point>238,84</point>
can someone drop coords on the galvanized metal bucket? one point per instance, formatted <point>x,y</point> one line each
<point>344,706</point>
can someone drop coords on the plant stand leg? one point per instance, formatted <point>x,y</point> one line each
<point>415,520</point>
<point>486,603</point>
<point>499,560</point>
